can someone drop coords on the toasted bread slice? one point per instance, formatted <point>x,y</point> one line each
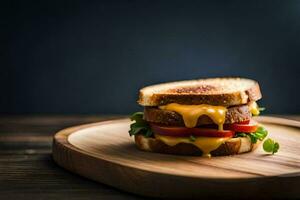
<point>234,114</point>
<point>230,147</point>
<point>213,91</point>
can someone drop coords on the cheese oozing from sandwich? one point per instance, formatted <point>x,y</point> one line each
<point>191,113</point>
<point>253,107</point>
<point>205,144</point>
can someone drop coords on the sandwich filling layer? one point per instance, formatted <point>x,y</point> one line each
<point>234,114</point>
<point>191,113</point>
<point>205,144</point>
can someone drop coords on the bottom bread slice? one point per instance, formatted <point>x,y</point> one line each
<point>230,147</point>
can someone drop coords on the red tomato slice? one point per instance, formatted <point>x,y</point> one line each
<point>244,128</point>
<point>186,132</point>
<point>244,122</point>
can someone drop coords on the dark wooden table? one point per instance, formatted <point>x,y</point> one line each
<point>27,170</point>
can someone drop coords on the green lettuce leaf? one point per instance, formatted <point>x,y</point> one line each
<point>261,133</point>
<point>140,126</point>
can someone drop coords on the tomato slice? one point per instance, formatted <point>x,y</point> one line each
<point>244,122</point>
<point>244,128</point>
<point>186,132</point>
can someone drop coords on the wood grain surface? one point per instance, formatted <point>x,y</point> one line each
<point>104,152</point>
<point>27,170</point>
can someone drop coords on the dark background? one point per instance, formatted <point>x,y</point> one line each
<point>93,56</point>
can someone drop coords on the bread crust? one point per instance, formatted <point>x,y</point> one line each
<point>201,93</point>
<point>230,147</point>
<point>234,114</point>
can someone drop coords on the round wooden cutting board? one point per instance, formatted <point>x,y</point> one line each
<point>104,152</point>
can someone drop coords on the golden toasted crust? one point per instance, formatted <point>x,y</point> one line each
<point>213,91</point>
<point>230,147</point>
<point>234,114</point>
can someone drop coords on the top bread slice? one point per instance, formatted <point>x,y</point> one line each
<point>212,91</point>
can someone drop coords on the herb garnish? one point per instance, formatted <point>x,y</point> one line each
<point>271,146</point>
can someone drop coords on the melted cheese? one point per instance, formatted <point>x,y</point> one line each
<point>205,144</point>
<point>253,107</point>
<point>191,113</point>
